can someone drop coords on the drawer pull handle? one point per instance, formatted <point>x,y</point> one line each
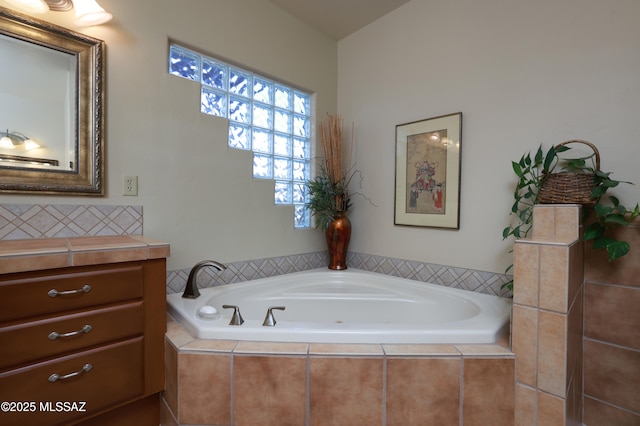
<point>54,334</point>
<point>55,377</point>
<point>85,289</point>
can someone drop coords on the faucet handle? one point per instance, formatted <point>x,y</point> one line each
<point>269,320</point>
<point>236,319</point>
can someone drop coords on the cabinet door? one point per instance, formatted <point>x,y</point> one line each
<point>78,385</point>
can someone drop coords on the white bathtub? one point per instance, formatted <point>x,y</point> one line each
<point>350,306</point>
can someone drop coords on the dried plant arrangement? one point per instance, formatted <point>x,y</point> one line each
<point>329,191</point>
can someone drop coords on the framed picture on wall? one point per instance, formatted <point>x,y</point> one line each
<point>428,172</point>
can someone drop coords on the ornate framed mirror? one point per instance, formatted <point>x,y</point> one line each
<point>51,108</point>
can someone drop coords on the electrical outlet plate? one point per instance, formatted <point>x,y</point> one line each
<point>130,185</point>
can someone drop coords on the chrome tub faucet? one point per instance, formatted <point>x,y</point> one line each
<point>236,319</point>
<point>269,319</point>
<point>191,289</point>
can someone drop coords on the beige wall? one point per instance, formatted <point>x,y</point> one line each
<point>197,194</point>
<point>522,73</point>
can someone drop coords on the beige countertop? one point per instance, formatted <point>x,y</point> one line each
<point>47,253</point>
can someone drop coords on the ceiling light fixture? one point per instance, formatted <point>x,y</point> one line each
<point>88,12</point>
<point>59,5</point>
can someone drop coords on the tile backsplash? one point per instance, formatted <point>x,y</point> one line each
<point>24,221</point>
<point>462,278</point>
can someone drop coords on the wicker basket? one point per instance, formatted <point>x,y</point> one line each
<point>569,188</point>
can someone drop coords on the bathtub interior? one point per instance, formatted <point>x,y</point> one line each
<point>346,306</point>
<point>352,302</point>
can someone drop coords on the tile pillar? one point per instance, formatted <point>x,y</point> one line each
<point>547,318</point>
<point>611,334</point>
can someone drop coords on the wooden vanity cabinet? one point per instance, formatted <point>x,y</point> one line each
<point>80,345</point>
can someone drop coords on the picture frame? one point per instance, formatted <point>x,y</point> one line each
<point>427,181</point>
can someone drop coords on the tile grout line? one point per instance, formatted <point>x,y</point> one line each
<point>537,388</point>
<point>308,389</point>
<point>384,387</point>
<point>461,393</point>
<point>232,388</point>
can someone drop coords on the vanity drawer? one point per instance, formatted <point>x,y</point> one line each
<point>112,374</point>
<point>31,294</point>
<point>33,340</point>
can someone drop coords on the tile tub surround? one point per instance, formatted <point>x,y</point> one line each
<point>611,337</point>
<point>219,382</point>
<point>461,278</point>
<point>547,322</point>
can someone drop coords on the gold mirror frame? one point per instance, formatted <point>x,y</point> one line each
<point>87,178</point>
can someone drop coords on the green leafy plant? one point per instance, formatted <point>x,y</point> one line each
<point>609,216</point>
<point>532,170</point>
<point>327,198</point>
<point>609,213</point>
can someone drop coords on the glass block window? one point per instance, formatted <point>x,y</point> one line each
<point>265,116</point>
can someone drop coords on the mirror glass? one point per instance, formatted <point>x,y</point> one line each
<point>44,88</point>
<point>51,104</point>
